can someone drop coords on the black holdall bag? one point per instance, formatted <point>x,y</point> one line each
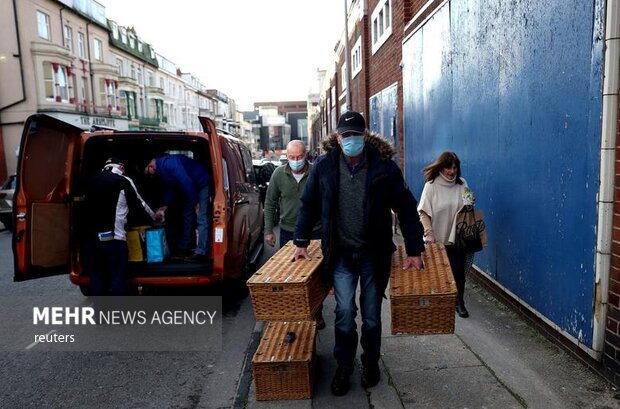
<point>469,230</point>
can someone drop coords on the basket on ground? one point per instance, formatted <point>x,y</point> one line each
<point>285,289</point>
<point>283,365</point>
<point>423,301</point>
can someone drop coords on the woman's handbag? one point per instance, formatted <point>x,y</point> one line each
<point>469,230</point>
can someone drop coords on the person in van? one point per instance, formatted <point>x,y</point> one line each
<point>110,197</point>
<point>181,173</point>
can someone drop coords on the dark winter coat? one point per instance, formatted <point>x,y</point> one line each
<point>386,190</point>
<point>184,174</point>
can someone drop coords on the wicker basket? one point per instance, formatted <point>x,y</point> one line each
<point>285,370</point>
<point>423,301</point>
<point>287,290</point>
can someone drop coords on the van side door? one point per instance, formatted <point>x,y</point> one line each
<point>256,218</point>
<point>42,237</point>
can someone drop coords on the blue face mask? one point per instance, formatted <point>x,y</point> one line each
<point>297,165</point>
<point>353,145</point>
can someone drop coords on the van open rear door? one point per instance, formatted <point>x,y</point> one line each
<point>42,234</point>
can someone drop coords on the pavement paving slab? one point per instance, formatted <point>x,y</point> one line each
<point>494,360</point>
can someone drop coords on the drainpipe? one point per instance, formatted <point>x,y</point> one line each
<point>90,71</point>
<point>19,57</point>
<point>607,171</point>
<point>347,56</point>
<point>62,26</point>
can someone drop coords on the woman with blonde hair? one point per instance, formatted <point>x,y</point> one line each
<point>441,200</point>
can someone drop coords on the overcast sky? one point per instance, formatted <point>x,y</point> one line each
<point>252,50</point>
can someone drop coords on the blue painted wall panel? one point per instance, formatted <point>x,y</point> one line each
<point>515,90</point>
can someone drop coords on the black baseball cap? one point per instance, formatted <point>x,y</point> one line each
<point>351,122</point>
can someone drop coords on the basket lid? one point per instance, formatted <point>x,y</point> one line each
<point>435,278</point>
<point>282,268</point>
<point>291,341</point>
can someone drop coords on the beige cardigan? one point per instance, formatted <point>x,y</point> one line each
<point>440,202</point>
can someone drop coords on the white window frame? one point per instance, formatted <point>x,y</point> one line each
<point>120,67</point>
<point>43,25</point>
<point>381,24</point>
<point>356,57</point>
<point>107,93</point>
<point>68,37</point>
<point>98,49</point>
<point>59,81</point>
<point>343,77</point>
<point>81,49</point>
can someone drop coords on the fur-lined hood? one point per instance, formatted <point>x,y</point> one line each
<point>384,148</point>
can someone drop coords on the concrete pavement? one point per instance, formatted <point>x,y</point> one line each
<point>494,360</point>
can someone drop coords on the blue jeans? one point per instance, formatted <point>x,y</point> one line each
<point>203,221</point>
<point>105,263</point>
<point>351,267</point>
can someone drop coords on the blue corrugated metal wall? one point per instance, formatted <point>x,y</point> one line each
<point>514,87</point>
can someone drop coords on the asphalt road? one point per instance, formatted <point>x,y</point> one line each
<point>32,379</point>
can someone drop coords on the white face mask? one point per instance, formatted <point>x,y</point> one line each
<point>297,165</point>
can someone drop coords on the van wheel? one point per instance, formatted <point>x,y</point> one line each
<point>85,290</point>
<point>239,288</point>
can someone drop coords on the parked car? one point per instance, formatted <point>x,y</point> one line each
<point>56,161</point>
<point>6,201</point>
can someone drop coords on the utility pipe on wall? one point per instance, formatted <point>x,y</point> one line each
<point>611,82</point>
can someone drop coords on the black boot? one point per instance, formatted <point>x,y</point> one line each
<point>461,310</point>
<point>340,383</point>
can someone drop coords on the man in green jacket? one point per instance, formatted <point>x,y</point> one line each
<point>285,188</point>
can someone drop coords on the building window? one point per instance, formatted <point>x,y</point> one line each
<point>356,58</point>
<point>343,77</point>
<point>43,25</point>
<point>132,42</point>
<point>114,30</point>
<point>119,67</point>
<point>56,82</point>
<point>107,91</point>
<point>149,79</point>
<point>140,46</point>
<point>81,50</point>
<point>161,83</point>
<point>133,72</point>
<point>381,24</point>
<point>68,33</point>
<point>48,80</point>
<point>128,104</point>
<point>83,86</point>
<point>98,49</point>
<point>123,35</point>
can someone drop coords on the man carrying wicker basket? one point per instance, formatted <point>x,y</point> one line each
<point>352,190</point>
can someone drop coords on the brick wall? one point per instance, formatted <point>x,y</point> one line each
<point>611,357</point>
<point>384,66</point>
